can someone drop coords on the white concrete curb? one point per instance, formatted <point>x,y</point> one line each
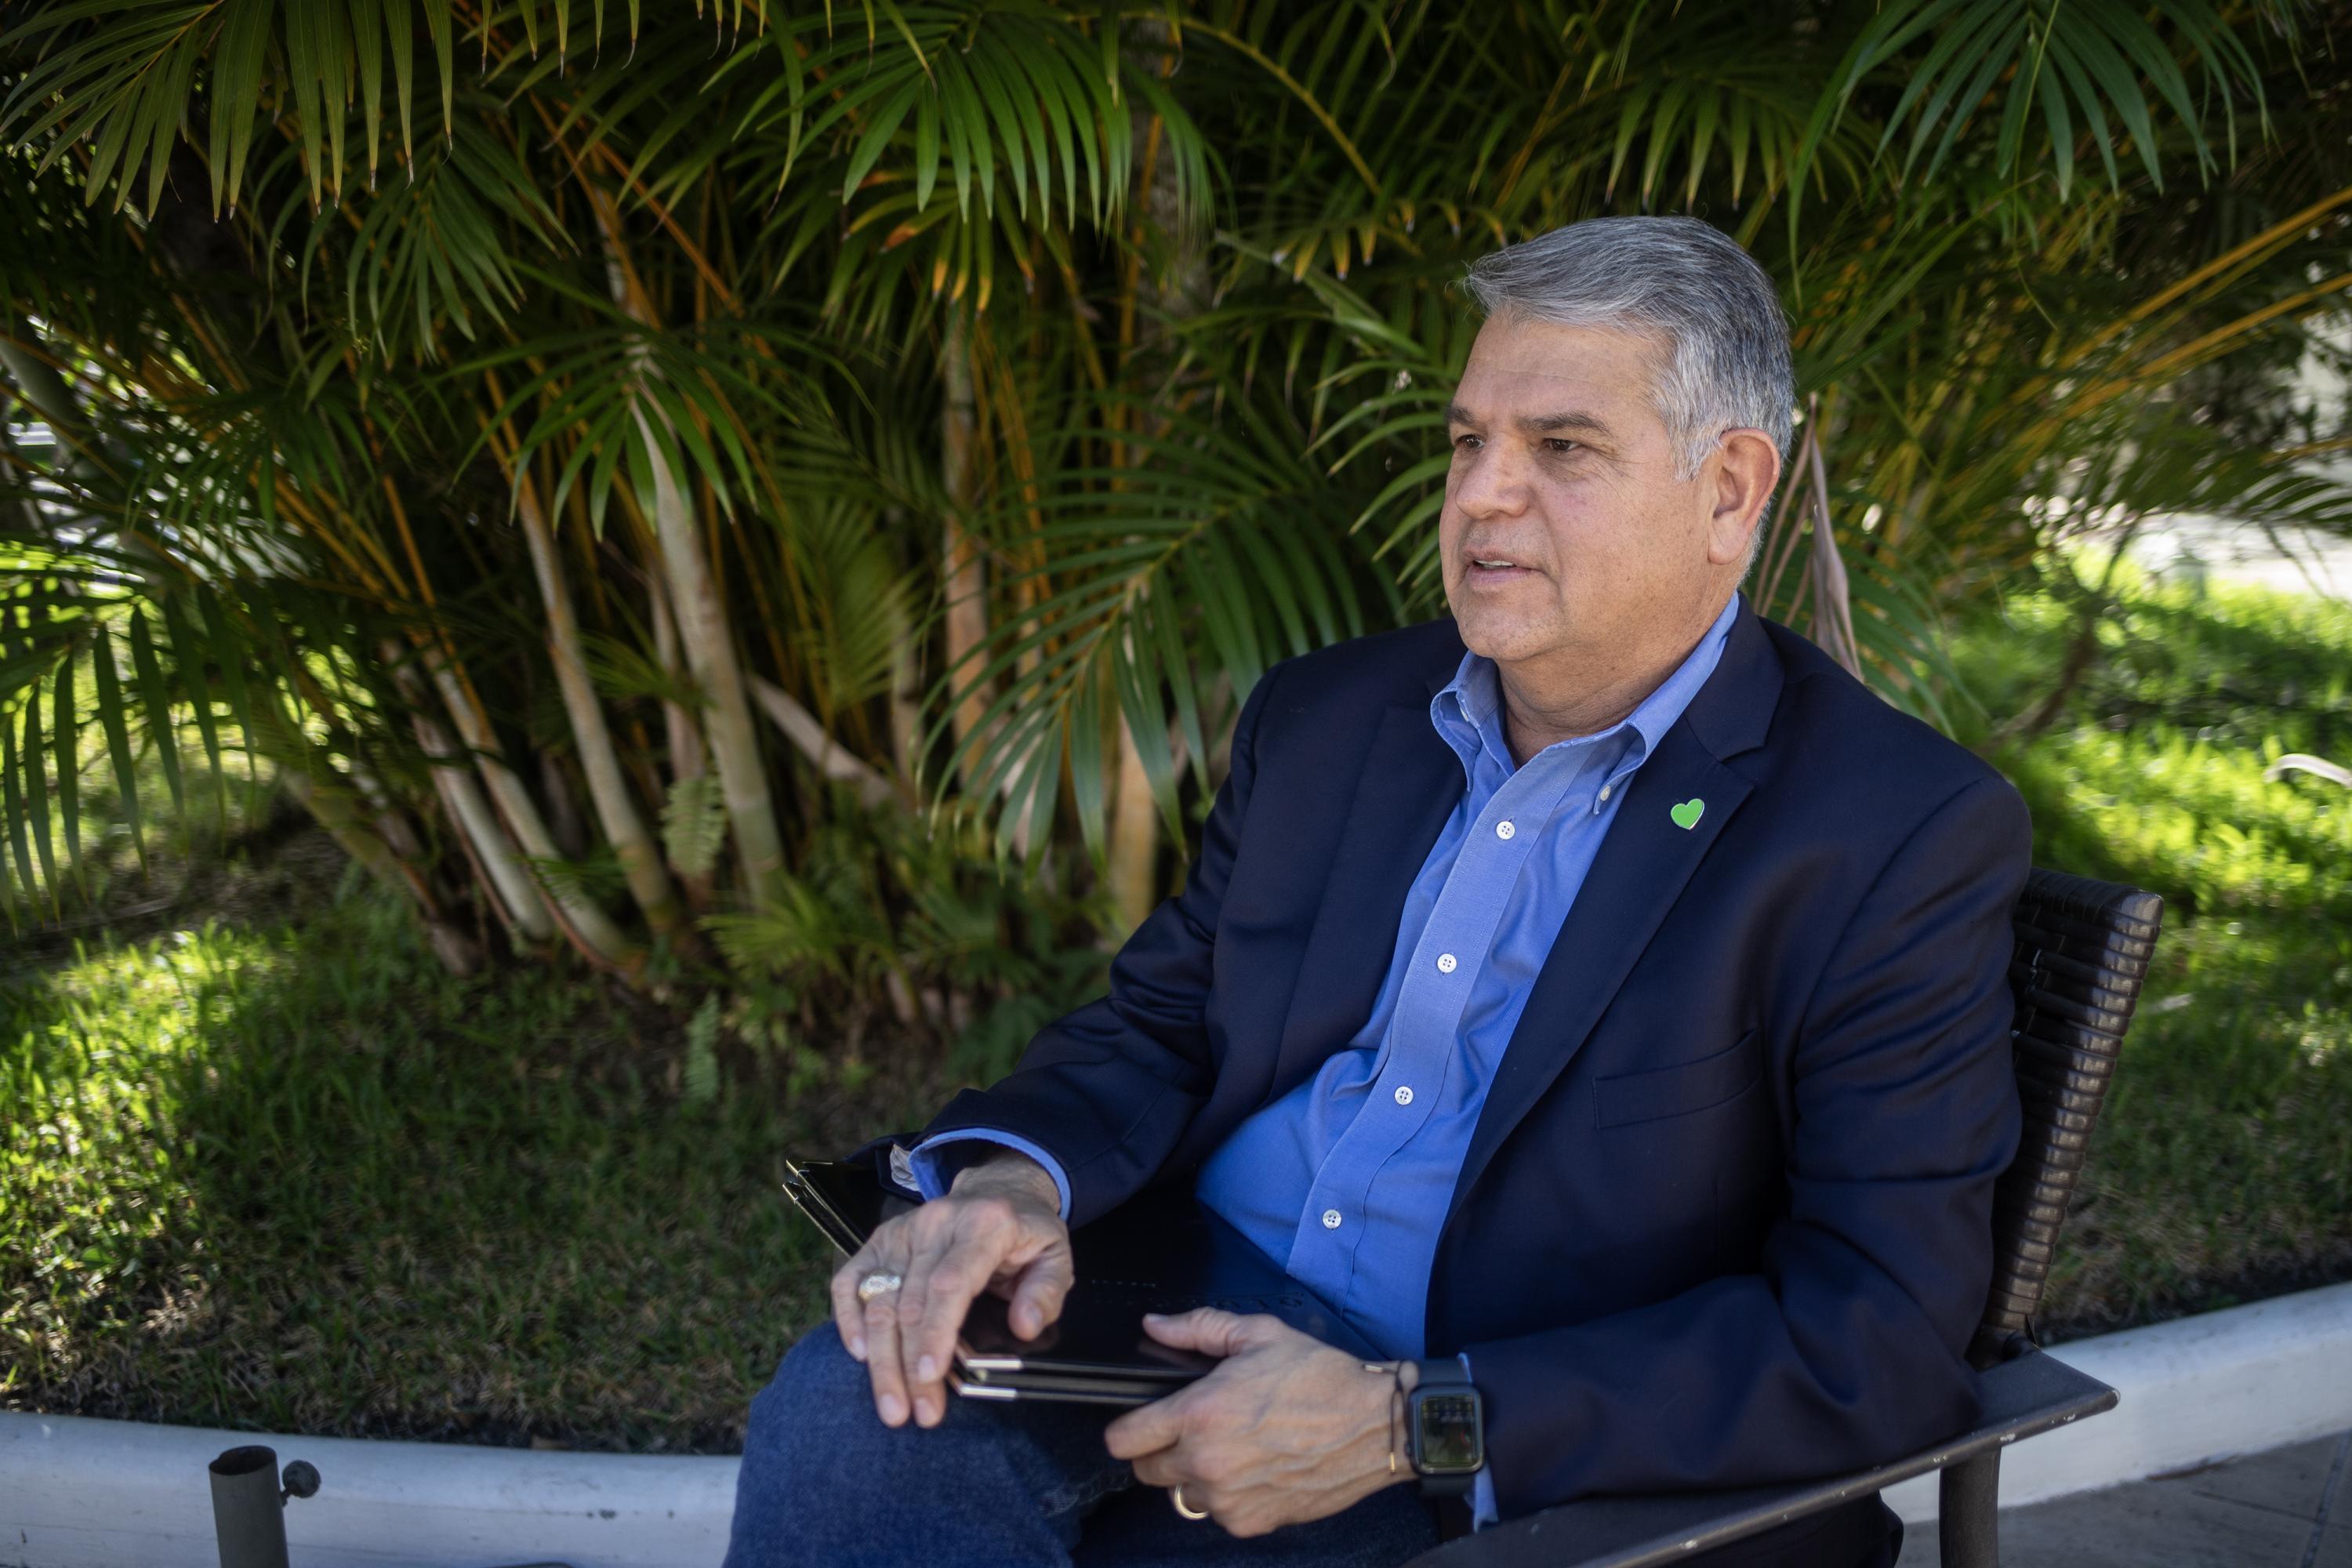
<point>2195,1391</point>
<point>78,1493</point>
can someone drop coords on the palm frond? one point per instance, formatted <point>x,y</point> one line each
<point>1218,552</point>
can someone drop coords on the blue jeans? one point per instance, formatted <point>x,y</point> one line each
<point>824,1483</point>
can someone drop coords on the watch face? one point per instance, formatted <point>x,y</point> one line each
<point>1451,1437</point>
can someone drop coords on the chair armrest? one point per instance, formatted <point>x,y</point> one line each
<point>2030,1394</point>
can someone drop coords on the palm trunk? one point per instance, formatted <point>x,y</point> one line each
<point>686,760</point>
<point>701,616</point>
<point>390,825</point>
<point>616,810</point>
<point>963,573</point>
<point>689,759</point>
<point>514,891</point>
<point>588,925</point>
<point>1832,603</point>
<point>702,627</point>
<point>458,951</point>
<point>830,757</point>
<point>906,682</point>
<point>492,851</point>
<point>906,699</point>
<point>564,815</point>
<point>964,581</point>
<point>1780,541</point>
<point>1133,850</point>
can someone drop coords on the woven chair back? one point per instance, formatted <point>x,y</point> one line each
<point>2081,955</point>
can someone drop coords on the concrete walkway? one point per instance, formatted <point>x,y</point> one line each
<point>2291,1508</point>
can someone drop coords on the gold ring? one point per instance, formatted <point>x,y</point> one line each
<point>881,1282</point>
<point>1176,1496</point>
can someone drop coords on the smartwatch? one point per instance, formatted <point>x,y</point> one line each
<point>1445,1428</point>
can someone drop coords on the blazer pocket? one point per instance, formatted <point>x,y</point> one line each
<point>1679,1090</point>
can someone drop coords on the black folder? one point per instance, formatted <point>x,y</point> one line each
<point>1163,1251</point>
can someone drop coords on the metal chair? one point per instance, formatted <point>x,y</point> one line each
<point>2081,953</point>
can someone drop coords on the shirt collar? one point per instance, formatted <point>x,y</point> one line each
<point>1467,711</point>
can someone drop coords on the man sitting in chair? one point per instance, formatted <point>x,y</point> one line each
<point>1598,995</point>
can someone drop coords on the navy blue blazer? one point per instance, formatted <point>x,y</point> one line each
<point>1727,1216</point>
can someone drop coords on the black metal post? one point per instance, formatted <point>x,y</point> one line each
<point>1967,1522</point>
<point>248,1513</point>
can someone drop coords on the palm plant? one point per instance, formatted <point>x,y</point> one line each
<point>592,452</point>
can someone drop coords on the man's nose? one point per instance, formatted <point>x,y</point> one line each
<point>1491,482</point>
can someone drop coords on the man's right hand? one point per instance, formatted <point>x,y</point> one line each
<point>999,1228</point>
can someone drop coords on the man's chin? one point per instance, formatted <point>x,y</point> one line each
<point>1503,638</point>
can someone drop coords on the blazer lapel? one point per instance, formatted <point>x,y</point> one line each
<point>1641,870</point>
<point>1407,783</point>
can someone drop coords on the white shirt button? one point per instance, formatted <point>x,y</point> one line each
<point>1504,830</point>
<point>1604,790</point>
<point>1331,1219</point>
<point>1404,1094</point>
<point>1445,961</point>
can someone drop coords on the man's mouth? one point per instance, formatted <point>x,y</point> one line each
<point>1483,568</point>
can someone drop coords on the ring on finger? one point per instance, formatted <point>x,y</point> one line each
<point>881,1282</point>
<point>1176,1496</point>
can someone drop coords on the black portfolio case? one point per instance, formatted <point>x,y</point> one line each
<point>1164,1251</point>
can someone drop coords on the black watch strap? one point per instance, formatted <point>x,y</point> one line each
<point>1438,1377</point>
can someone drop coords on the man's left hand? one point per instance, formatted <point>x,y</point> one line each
<point>1287,1430</point>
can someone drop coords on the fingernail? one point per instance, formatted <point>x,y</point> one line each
<point>1155,1317</point>
<point>857,1349</point>
<point>926,1368</point>
<point>894,1410</point>
<point>928,1412</point>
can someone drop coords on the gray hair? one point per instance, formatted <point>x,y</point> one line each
<point>1723,360</point>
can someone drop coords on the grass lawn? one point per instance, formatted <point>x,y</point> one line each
<point>299,1178</point>
<point>281,1171</point>
<point>2222,1169</point>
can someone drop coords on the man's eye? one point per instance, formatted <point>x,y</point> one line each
<point>1459,440</point>
<point>1559,444</point>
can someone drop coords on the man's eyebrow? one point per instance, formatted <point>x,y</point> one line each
<point>1547,423</point>
<point>1536,424</point>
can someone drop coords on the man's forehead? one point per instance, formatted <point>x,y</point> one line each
<point>1521,369</point>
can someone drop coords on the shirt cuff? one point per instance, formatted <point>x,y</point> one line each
<point>934,1170</point>
<point>1483,1509</point>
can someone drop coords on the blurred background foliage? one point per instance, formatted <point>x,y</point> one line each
<point>714,489</point>
<point>592,591</point>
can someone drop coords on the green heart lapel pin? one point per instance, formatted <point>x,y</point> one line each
<point>1687,814</point>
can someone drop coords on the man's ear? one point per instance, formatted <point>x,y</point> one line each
<point>1746,465</point>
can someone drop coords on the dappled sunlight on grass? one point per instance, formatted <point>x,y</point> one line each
<point>90,1188</point>
<point>2198,818</point>
<point>2222,1168</point>
<point>300,1178</point>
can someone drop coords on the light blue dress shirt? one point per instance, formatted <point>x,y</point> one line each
<point>1347,1179</point>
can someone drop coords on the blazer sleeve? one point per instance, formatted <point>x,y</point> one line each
<point>1849,1347</point>
<point>1110,1089</point>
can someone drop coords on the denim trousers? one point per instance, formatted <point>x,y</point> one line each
<point>824,1484</point>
